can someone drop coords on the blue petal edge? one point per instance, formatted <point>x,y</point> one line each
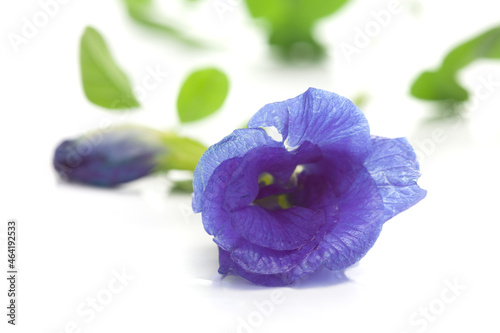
<point>393,166</point>
<point>236,144</point>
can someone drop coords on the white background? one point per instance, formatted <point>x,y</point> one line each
<point>73,239</point>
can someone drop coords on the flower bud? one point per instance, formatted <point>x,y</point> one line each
<point>122,154</point>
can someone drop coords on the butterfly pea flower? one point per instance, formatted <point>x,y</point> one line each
<point>304,186</point>
<point>122,154</point>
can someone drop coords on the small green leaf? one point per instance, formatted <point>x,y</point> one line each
<point>144,13</point>
<point>104,82</point>
<point>441,84</point>
<point>291,24</point>
<point>486,45</point>
<point>203,93</point>
<point>438,86</point>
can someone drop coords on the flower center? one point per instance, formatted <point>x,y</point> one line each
<point>274,202</point>
<point>274,195</point>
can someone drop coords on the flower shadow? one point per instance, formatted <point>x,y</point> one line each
<point>323,277</point>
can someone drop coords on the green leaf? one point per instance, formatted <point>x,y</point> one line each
<point>203,93</point>
<point>441,84</point>
<point>291,24</point>
<point>182,186</point>
<point>182,153</point>
<point>486,46</point>
<point>104,82</point>
<point>144,13</point>
<point>438,86</point>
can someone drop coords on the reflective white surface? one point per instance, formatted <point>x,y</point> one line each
<point>144,258</point>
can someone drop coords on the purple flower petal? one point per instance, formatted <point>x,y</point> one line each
<point>359,224</point>
<point>323,118</point>
<point>286,229</point>
<point>330,121</point>
<point>227,265</point>
<point>216,218</point>
<point>329,212</point>
<point>393,166</point>
<point>318,196</point>
<point>280,163</point>
<point>236,144</point>
<point>263,227</point>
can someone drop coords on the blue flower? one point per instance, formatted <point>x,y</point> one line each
<point>304,185</point>
<point>111,157</point>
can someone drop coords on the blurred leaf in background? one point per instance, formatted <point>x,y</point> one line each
<point>104,83</point>
<point>361,99</point>
<point>203,93</point>
<point>291,24</point>
<point>144,13</point>
<point>182,186</point>
<point>441,84</point>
